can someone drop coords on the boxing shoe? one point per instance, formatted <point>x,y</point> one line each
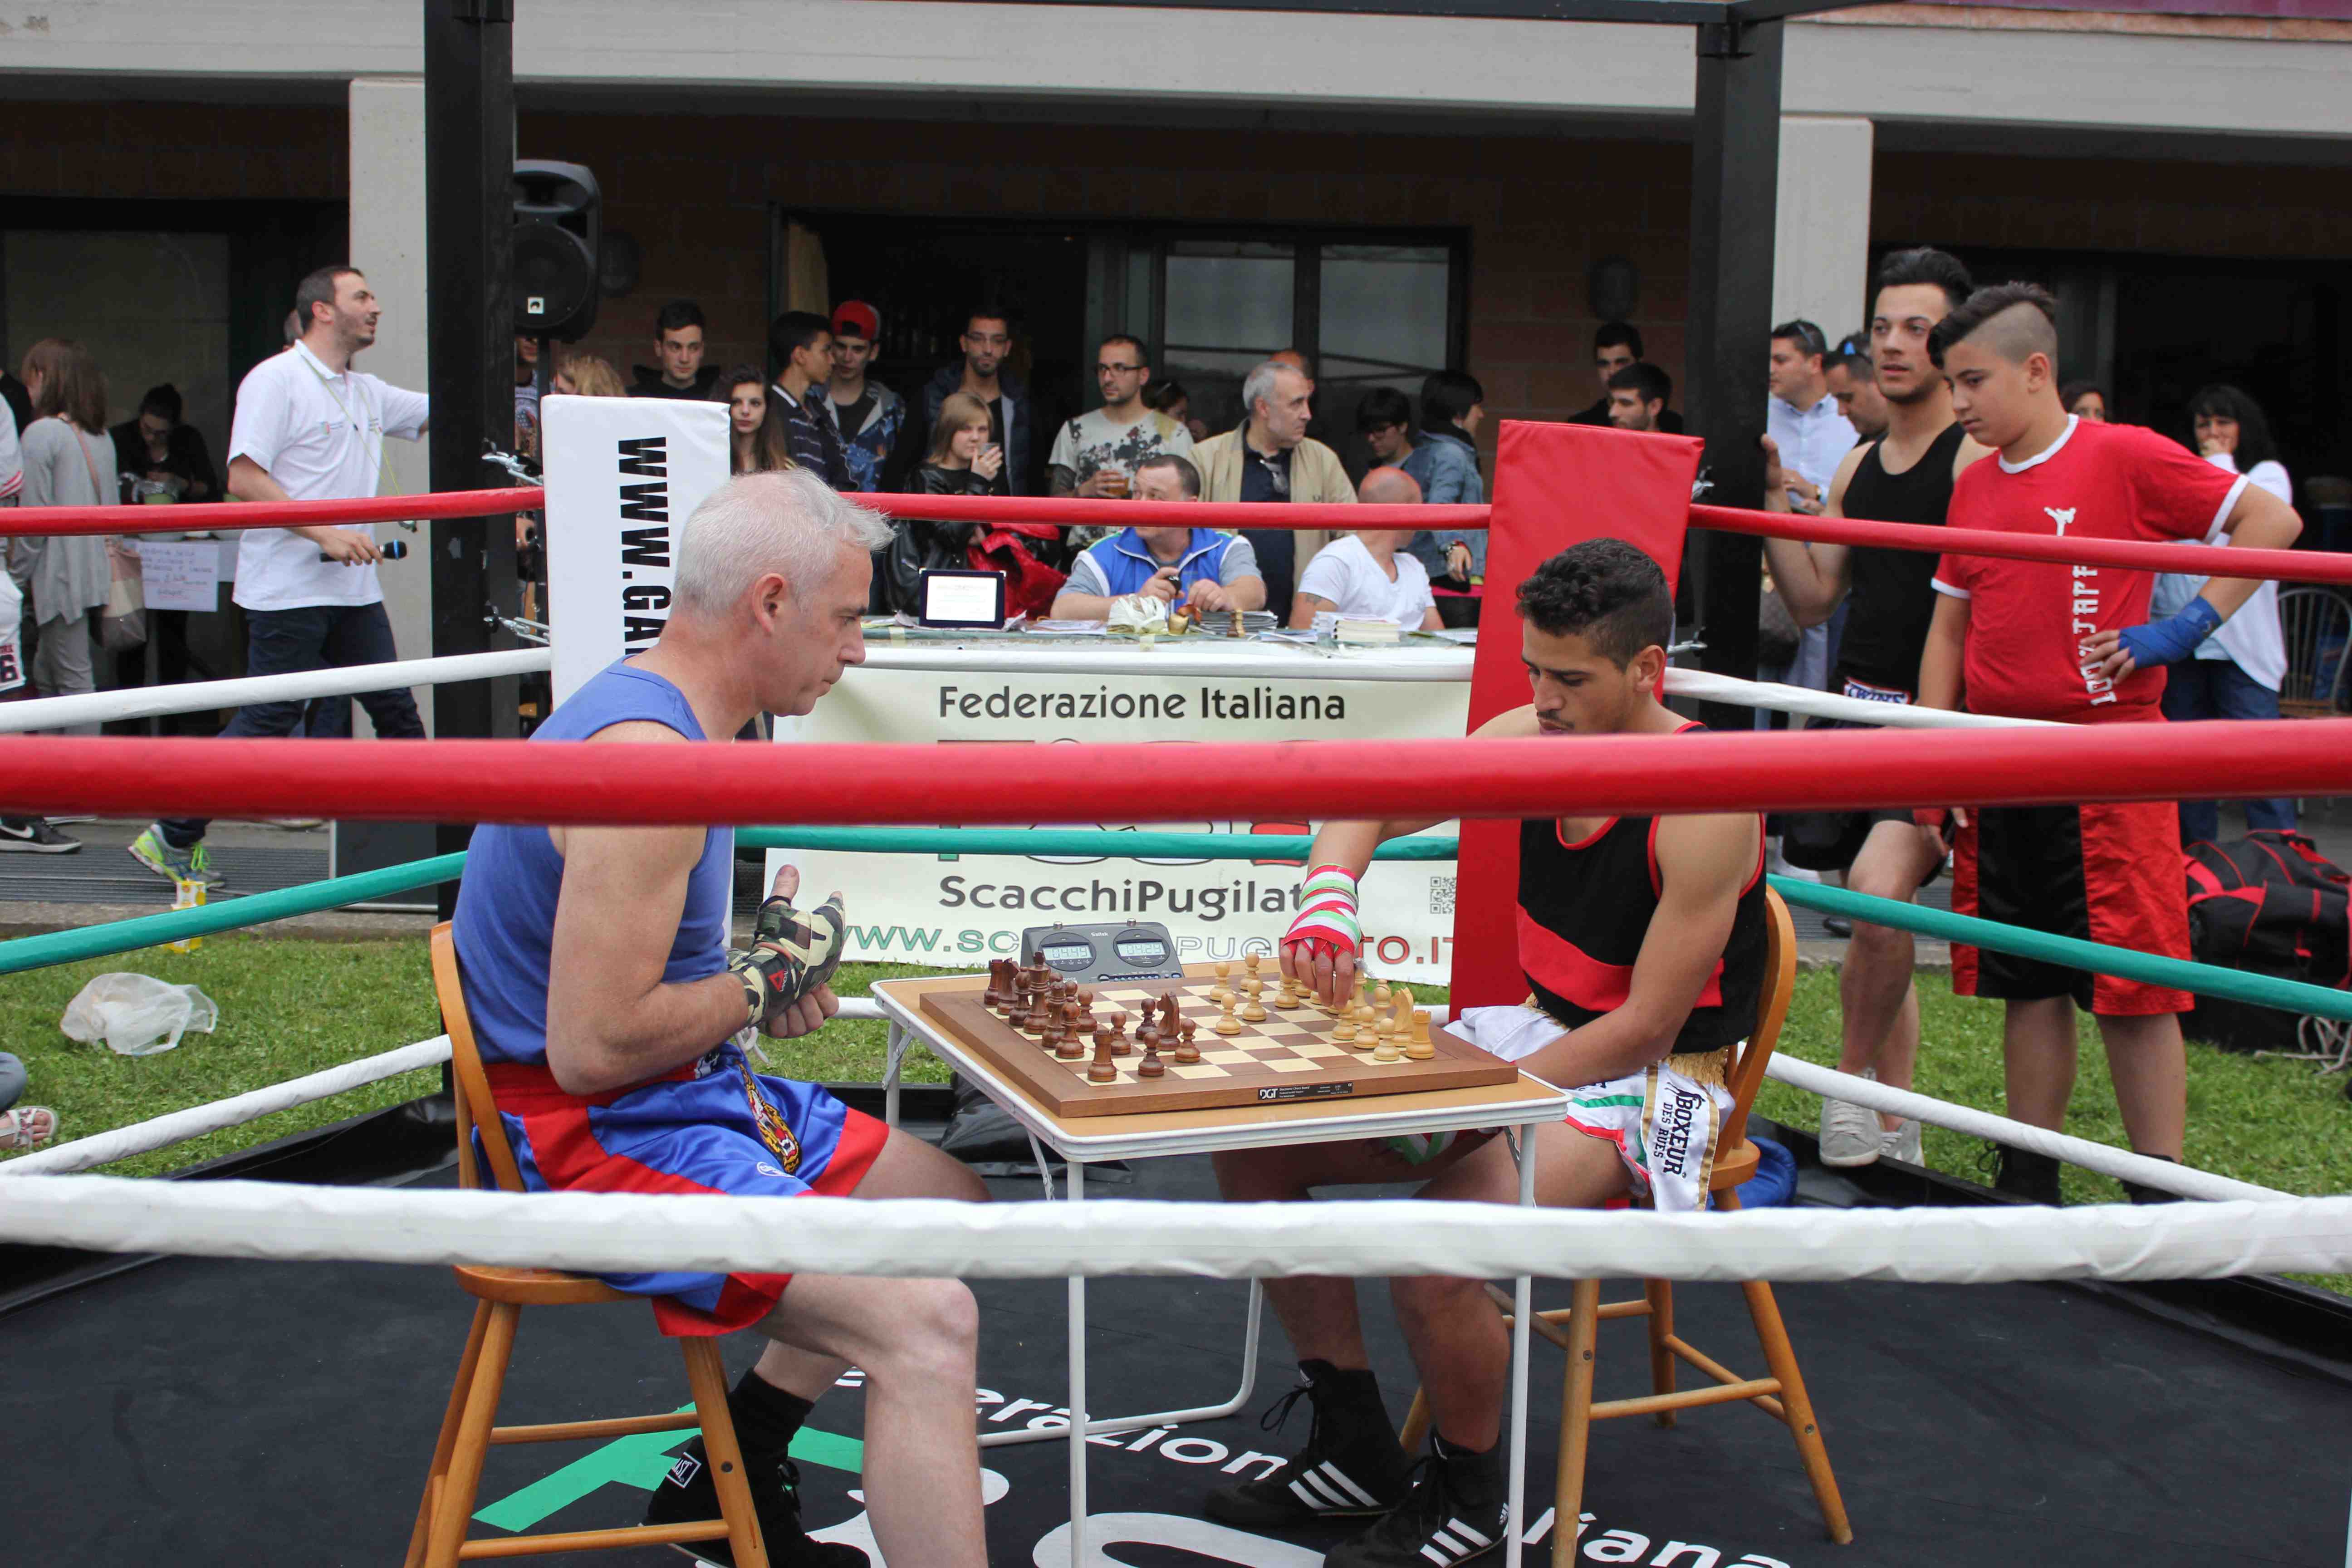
<point>1350,1469</point>
<point>688,1494</point>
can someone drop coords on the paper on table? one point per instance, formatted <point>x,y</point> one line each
<point>180,574</point>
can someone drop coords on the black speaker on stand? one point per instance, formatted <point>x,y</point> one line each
<point>558,222</point>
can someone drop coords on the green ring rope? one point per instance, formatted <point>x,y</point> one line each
<point>175,925</point>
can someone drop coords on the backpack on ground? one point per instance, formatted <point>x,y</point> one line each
<point>2269,903</point>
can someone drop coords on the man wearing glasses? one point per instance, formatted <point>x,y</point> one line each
<point>1097,453</point>
<point>987,344</point>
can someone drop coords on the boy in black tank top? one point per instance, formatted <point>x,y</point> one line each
<point>1904,476</point>
<point>1644,944</point>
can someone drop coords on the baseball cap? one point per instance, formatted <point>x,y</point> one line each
<point>857,319</point>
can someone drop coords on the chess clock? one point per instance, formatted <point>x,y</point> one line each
<point>1114,953</point>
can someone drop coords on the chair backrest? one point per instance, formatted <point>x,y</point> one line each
<point>2316,625</point>
<point>476,1110</point>
<point>1746,1075</point>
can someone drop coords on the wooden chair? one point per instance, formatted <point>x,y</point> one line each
<point>1780,1396</point>
<point>2315,627</point>
<point>467,1431</point>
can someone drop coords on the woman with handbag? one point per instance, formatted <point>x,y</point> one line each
<point>68,461</point>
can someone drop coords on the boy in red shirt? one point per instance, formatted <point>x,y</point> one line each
<point>2034,639</point>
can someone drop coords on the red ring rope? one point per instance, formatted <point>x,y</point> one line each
<point>2283,565</point>
<point>576,783</point>
<point>49,521</point>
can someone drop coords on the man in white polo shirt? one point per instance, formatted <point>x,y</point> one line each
<point>307,428</point>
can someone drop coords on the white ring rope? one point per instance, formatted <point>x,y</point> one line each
<point>2124,1166</point>
<point>204,696</point>
<point>162,1132</point>
<point>1709,688</point>
<point>923,1237</point>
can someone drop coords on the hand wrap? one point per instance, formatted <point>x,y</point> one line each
<point>2171,641</point>
<point>791,955</point>
<point>1327,913</point>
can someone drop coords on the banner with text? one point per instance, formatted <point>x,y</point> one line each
<point>623,473</point>
<point>959,911</point>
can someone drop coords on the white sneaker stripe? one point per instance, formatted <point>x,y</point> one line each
<point>1328,1498</point>
<point>1439,1538</point>
<point>1474,1535</point>
<point>1337,1474</point>
<point>1435,1556</point>
<point>1309,1499</point>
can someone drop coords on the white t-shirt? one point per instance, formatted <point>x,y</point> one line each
<point>321,437</point>
<point>1344,573</point>
<point>2253,637</point>
<point>1092,441</point>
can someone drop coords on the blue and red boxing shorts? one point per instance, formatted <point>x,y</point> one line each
<point>714,1127</point>
<point>2108,873</point>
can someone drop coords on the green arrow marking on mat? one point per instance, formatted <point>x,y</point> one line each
<point>641,1461</point>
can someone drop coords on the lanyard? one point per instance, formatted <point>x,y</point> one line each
<point>376,451</point>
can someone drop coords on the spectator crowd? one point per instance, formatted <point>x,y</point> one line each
<point>1879,425</point>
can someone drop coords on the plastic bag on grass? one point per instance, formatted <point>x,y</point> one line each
<point>136,1015</point>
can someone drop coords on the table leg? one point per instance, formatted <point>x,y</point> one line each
<point>1075,1181</point>
<point>900,1038</point>
<point>1522,1310</point>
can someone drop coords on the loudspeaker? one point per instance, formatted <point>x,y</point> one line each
<point>557,223</point>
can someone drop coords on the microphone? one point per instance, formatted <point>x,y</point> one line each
<point>392,549</point>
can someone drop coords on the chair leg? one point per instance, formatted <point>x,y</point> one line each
<point>1661,1293</point>
<point>447,1442</point>
<point>707,1376</point>
<point>1416,1424</point>
<point>1781,1358</point>
<point>1575,1421</point>
<point>463,1478</point>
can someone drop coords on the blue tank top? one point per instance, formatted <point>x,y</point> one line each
<point>506,906</point>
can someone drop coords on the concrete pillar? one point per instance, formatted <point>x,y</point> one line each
<point>1820,254</point>
<point>387,197</point>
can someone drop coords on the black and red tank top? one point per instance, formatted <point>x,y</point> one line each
<point>1585,910</point>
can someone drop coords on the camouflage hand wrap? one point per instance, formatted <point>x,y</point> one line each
<point>791,955</point>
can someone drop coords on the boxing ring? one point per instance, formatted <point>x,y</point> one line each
<point>876,799</point>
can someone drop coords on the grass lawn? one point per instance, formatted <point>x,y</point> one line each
<point>291,1007</point>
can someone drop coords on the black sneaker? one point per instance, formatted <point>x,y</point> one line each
<point>2026,1176</point>
<point>1350,1469</point>
<point>1449,1517</point>
<point>2141,1193</point>
<point>33,835</point>
<point>688,1494</point>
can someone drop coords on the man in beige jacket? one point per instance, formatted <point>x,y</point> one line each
<point>1270,458</point>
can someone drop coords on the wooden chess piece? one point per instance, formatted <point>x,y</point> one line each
<point>1419,1047</point>
<point>1381,996</point>
<point>1226,1023</point>
<point>1051,1034</point>
<point>1187,1053</point>
<point>1254,1011</point>
<point>1074,1022</point>
<point>1150,1066</point>
<point>1102,1070</point>
<point>1086,1008</point>
<point>1119,1024</point>
<point>994,995</point>
<point>1249,964</point>
<point>1386,1051</point>
<point>1147,1028</point>
<point>1222,989</point>
<point>1289,996</point>
<point>1344,1031</point>
<point>1073,1046</point>
<point>1168,1015</point>
<point>1016,1009</point>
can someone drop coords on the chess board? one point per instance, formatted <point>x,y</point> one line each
<point>1291,1056</point>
